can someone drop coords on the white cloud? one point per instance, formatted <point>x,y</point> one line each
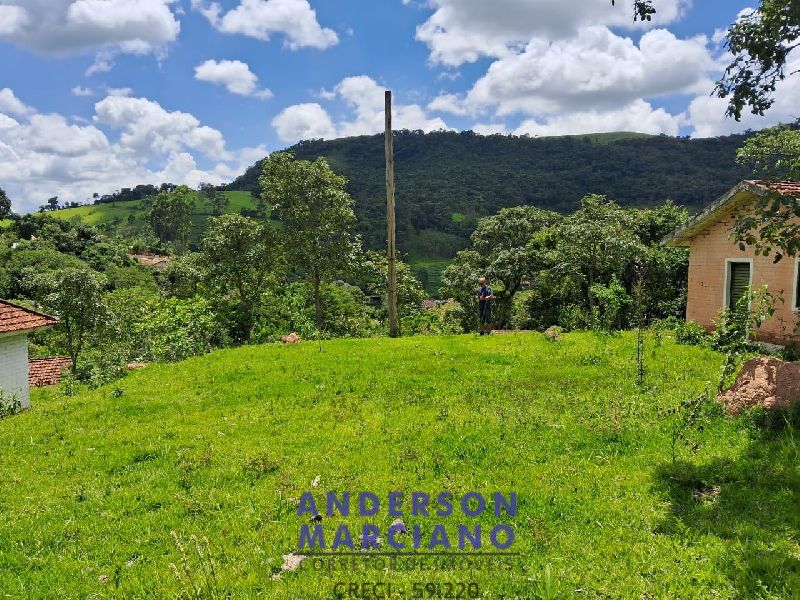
<point>235,75</point>
<point>68,26</point>
<point>149,129</point>
<point>11,104</point>
<point>304,122</point>
<point>461,31</point>
<point>707,112</point>
<point>638,116</point>
<point>595,70</point>
<point>12,19</point>
<point>82,91</point>
<point>365,99</point>
<point>449,103</point>
<point>490,128</point>
<point>42,155</point>
<point>123,91</point>
<point>260,19</point>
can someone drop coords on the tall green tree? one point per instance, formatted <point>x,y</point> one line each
<point>318,222</point>
<point>596,242</point>
<point>241,257</point>
<point>5,205</point>
<point>75,296</point>
<point>499,251</point>
<point>169,216</point>
<point>774,155</point>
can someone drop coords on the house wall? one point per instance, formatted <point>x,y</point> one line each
<point>14,367</point>
<point>707,275</point>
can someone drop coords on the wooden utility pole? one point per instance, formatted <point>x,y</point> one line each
<point>391,251</point>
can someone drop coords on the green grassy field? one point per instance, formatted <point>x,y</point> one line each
<point>91,486</point>
<point>119,212</point>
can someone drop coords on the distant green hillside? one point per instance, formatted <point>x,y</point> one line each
<point>132,213</point>
<point>447,180</point>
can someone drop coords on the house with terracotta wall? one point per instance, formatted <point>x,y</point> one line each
<point>720,272</point>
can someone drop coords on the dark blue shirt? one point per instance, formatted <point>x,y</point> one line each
<point>484,293</point>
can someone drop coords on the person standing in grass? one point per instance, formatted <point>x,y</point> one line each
<point>485,296</point>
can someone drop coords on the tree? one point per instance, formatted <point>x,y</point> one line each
<point>241,257</point>
<point>500,252</point>
<point>316,212</point>
<point>596,242</point>
<point>218,200</point>
<point>774,155</point>
<point>760,42</point>
<point>52,203</point>
<point>169,215</point>
<point>409,290</point>
<point>5,205</point>
<point>75,296</point>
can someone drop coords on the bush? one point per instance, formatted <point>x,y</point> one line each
<point>178,329</point>
<point>762,421</point>
<point>610,303</point>
<point>572,317</point>
<point>444,319</point>
<point>690,333</point>
<point>346,313</point>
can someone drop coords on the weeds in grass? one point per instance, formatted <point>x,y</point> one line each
<point>9,404</point>
<point>688,417</point>
<point>200,583</point>
<point>546,588</point>
<point>260,465</point>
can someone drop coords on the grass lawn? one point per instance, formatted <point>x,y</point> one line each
<point>91,486</point>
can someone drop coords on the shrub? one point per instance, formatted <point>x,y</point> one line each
<point>763,421</point>
<point>9,404</point>
<point>444,319</point>
<point>573,317</point>
<point>690,333</point>
<point>610,303</point>
<point>178,329</point>
<point>346,313</point>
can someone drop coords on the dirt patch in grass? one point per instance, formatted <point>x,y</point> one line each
<point>766,382</point>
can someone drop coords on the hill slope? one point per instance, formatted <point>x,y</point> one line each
<point>133,213</point>
<point>91,486</point>
<point>447,180</point>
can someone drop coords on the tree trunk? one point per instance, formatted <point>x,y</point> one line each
<point>589,291</point>
<point>317,301</point>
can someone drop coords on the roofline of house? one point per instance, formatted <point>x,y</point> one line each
<point>6,334</point>
<point>683,234</point>
<point>30,310</point>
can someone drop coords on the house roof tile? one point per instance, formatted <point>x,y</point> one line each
<point>18,318</point>
<point>743,192</point>
<point>47,371</point>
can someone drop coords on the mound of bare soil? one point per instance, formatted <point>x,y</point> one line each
<point>766,382</point>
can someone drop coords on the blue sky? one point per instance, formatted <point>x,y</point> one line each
<point>100,94</point>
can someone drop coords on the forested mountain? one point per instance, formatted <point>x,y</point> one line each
<point>447,180</point>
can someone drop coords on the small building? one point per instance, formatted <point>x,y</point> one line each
<point>16,322</point>
<point>720,272</point>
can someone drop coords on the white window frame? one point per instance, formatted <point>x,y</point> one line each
<point>795,299</point>
<point>726,287</point>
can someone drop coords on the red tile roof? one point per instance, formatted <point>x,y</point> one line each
<point>743,192</point>
<point>784,188</point>
<point>47,371</point>
<point>18,318</point>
